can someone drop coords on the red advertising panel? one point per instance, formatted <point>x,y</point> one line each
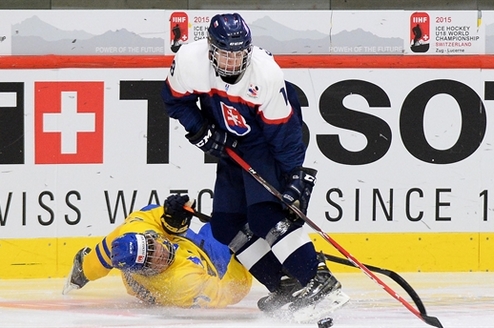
<point>179,30</point>
<point>419,32</point>
<point>68,122</point>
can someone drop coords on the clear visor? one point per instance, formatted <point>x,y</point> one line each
<point>160,255</point>
<point>228,63</point>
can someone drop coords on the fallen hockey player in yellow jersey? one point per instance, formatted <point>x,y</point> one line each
<point>163,262</point>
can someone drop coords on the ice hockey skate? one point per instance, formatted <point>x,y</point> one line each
<point>76,278</point>
<point>319,298</point>
<point>280,297</point>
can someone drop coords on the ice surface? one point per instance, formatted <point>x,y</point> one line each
<point>456,299</point>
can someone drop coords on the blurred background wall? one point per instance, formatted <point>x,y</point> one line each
<point>252,5</point>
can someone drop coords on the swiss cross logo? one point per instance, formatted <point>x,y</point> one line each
<point>68,125</point>
<point>234,121</point>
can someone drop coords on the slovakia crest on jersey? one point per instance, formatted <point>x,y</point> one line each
<point>234,121</point>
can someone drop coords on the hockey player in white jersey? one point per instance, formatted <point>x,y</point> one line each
<point>245,104</point>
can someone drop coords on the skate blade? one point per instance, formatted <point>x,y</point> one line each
<point>329,304</point>
<point>68,286</point>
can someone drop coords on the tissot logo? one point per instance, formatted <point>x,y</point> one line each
<point>68,122</point>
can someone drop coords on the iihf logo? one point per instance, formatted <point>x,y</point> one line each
<point>419,32</point>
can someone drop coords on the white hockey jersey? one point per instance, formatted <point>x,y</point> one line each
<point>257,109</point>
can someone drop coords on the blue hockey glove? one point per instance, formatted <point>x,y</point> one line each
<point>176,220</point>
<point>212,140</point>
<point>299,187</point>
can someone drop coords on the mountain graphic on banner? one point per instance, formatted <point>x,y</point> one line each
<point>36,37</point>
<point>280,39</point>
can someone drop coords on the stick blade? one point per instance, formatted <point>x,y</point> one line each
<point>433,321</point>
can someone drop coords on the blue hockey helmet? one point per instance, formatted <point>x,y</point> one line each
<point>230,44</point>
<point>146,254</point>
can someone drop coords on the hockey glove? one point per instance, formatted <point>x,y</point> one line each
<point>176,220</point>
<point>212,140</point>
<point>299,187</point>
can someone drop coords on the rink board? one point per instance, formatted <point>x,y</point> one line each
<point>411,252</point>
<point>407,190</point>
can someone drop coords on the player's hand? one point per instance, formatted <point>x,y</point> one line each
<point>299,187</point>
<point>176,220</point>
<point>212,140</point>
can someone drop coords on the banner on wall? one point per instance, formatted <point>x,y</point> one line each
<point>162,32</point>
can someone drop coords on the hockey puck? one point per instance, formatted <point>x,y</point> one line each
<point>325,322</point>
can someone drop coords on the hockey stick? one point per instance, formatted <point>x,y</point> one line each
<point>390,274</point>
<point>202,217</point>
<point>433,321</point>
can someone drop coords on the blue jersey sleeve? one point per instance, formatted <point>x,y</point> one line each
<point>218,253</point>
<point>183,108</point>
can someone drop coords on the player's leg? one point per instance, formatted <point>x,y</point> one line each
<point>229,226</point>
<point>253,252</point>
<point>290,244</point>
<point>292,247</point>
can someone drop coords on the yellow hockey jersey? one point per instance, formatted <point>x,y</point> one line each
<point>192,280</point>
